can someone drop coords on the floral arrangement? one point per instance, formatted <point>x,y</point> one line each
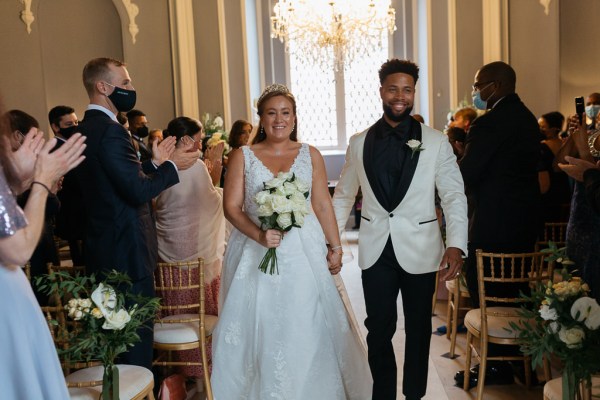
<point>107,320</point>
<point>564,322</point>
<point>415,146</point>
<point>281,205</point>
<point>215,132</point>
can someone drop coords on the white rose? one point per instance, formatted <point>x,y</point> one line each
<point>72,303</point>
<point>298,202</point>
<point>218,121</point>
<point>105,298</point>
<point>290,187</point>
<point>548,313</point>
<point>572,337</point>
<point>302,186</point>
<point>284,220</point>
<point>77,315</point>
<point>413,144</point>
<point>280,204</point>
<point>285,175</point>
<point>265,210</point>
<point>299,218</point>
<point>583,307</point>
<point>274,183</point>
<point>86,303</point>
<point>116,320</point>
<point>262,197</point>
<point>553,327</point>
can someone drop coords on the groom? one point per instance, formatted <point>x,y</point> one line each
<point>399,163</point>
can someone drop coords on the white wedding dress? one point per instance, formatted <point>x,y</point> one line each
<point>284,336</point>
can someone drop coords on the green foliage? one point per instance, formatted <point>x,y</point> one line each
<point>89,337</point>
<point>555,327</point>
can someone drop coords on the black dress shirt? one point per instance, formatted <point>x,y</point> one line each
<point>389,153</point>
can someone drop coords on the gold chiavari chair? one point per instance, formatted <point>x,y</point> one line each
<point>491,322</point>
<point>183,324</point>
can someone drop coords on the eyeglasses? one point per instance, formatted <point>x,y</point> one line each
<point>480,85</point>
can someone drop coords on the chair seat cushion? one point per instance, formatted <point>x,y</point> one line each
<point>498,319</point>
<point>133,380</point>
<point>450,285</point>
<point>553,388</point>
<point>186,332</point>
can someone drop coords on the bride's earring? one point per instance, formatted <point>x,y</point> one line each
<point>262,130</point>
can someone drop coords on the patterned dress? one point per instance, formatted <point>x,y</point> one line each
<point>284,336</point>
<point>29,366</point>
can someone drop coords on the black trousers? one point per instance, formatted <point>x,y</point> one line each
<point>381,284</point>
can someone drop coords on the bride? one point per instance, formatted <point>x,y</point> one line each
<point>284,336</point>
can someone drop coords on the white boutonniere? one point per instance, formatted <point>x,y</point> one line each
<point>415,146</point>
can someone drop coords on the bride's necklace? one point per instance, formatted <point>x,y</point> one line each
<point>277,152</point>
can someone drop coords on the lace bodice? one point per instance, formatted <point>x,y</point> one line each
<point>256,174</point>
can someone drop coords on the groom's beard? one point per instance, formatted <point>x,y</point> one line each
<point>387,110</point>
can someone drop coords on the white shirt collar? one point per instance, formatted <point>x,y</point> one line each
<point>103,109</point>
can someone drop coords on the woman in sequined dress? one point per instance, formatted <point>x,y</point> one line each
<point>29,366</point>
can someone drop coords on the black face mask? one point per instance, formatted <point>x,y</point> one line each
<point>68,131</point>
<point>142,132</point>
<point>123,99</point>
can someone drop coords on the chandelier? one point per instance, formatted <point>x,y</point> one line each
<point>331,33</point>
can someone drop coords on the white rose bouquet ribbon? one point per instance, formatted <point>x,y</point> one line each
<point>282,205</point>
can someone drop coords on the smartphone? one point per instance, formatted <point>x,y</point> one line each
<point>579,108</point>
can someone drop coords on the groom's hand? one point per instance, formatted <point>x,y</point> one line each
<point>451,264</point>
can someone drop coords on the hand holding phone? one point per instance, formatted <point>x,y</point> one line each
<point>580,108</point>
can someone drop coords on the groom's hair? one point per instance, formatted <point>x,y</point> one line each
<point>395,66</point>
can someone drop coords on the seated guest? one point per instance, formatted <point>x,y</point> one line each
<point>45,251</point>
<point>554,184</point>
<point>190,222</point>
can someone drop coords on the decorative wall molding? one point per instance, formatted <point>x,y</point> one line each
<point>546,5</point>
<point>132,11</point>
<point>26,15</point>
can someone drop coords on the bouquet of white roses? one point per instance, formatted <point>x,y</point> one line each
<point>215,132</point>
<point>106,325</point>
<point>564,322</point>
<point>281,205</point>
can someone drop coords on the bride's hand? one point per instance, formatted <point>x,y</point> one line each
<point>270,238</point>
<point>334,262</point>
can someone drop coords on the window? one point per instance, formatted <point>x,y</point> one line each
<point>332,106</point>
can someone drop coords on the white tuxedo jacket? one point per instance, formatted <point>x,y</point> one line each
<point>412,225</point>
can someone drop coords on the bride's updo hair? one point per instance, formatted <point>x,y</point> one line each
<point>271,91</point>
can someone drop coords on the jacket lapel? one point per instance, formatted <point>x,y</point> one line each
<point>368,165</point>
<point>409,166</point>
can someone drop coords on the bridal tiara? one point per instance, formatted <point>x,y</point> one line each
<point>275,88</point>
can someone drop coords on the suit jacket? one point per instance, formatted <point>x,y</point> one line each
<point>412,223</point>
<point>70,221</point>
<point>120,231</point>
<point>499,168</point>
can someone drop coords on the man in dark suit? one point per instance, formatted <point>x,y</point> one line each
<point>499,168</point>
<point>120,231</point>
<point>138,126</point>
<point>71,217</point>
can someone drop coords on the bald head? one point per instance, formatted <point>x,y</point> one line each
<point>502,73</point>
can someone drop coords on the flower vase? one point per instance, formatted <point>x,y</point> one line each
<point>574,388</point>
<point>110,382</point>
